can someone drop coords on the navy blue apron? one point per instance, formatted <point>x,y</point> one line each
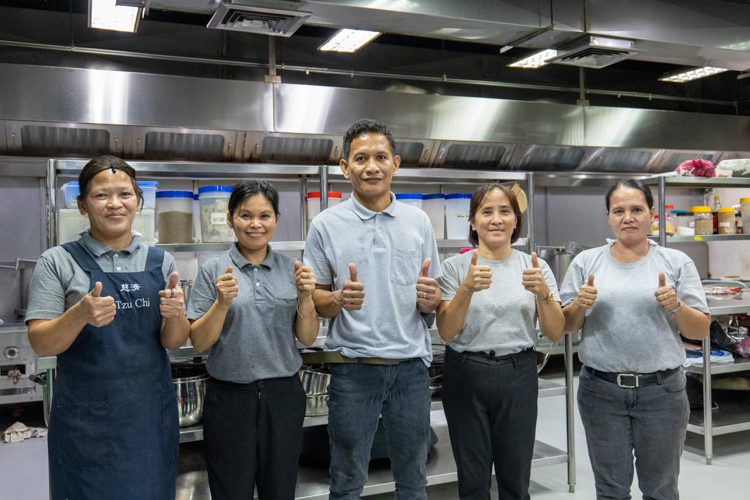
<point>113,430</point>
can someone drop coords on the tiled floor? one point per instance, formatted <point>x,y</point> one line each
<point>23,466</point>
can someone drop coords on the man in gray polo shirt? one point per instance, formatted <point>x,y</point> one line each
<point>376,263</point>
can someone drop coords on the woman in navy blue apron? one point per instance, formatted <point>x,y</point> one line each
<point>113,430</point>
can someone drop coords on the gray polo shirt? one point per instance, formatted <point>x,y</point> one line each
<point>388,249</point>
<point>58,283</point>
<point>627,330</point>
<point>257,341</point>
<point>503,317</point>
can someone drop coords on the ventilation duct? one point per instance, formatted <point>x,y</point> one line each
<point>264,18</point>
<point>595,52</point>
<point>196,147</point>
<point>64,141</point>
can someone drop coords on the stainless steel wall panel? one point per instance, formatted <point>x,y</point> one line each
<point>63,139</point>
<point>38,93</point>
<point>3,139</point>
<point>302,109</point>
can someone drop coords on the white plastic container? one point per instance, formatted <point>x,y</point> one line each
<point>434,206</point>
<point>70,223</point>
<point>457,215</point>
<point>413,199</point>
<point>71,191</point>
<point>174,216</point>
<point>313,203</point>
<point>196,219</point>
<point>745,211</point>
<point>214,205</point>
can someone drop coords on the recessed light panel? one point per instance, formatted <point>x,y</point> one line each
<point>349,40</point>
<point>106,15</point>
<point>692,74</point>
<point>535,60</point>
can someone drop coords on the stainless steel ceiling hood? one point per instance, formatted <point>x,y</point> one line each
<point>262,17</point>
<point>595,52</point>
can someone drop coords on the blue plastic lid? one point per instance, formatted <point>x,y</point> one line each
<point>195,196</point>
<point>215,189</point>
<point>148,184</point>
<point>71,184</point>
<point>174,194</point>
<point>458,195</point>
<point>408,196</point>
<point>433,196</point>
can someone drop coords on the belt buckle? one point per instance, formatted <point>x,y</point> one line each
<point>619,380</point>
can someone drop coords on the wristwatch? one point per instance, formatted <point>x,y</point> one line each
<point>550,298</point>
<point>676,309</point>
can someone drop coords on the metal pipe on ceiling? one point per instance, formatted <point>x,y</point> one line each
<point>353,73</point>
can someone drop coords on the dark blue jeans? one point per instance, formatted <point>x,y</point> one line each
<point>358,395</point>
<point>649,422</point>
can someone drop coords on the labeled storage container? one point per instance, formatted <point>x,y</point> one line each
<point>214,205</point>
<point>71,191</point>
<point>457,215</point>
<point>434,207</point>
<point>313,203</point>
<point>196,219</point>
<point>70,224</point>
<point>685,223</point>
<point>726,221</point>
<point>704,221</point>
<point>413,199</point>
<point>174,216</point>
<point>745,214</point>
<point>655,226</point>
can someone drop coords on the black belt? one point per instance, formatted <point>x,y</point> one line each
<point>633,380</point>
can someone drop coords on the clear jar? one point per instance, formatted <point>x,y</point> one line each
<point>669,219</point>
<point>655,226</point>
<point>726,221</point>
<point>704,220</point>
<point>685,224</point>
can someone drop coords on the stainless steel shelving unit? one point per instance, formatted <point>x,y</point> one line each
<point>730,418</point>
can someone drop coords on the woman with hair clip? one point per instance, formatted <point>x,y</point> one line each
<point>632,298</point>
<point>246,308</point>
<point>492,297</point>
<point>108,307</point>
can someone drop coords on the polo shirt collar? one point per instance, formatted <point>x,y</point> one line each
<point>97,249</point>
<point>241,261</point>
<point>365,213</point>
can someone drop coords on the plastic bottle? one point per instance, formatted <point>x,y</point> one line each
<point>715,212</point>
<point>669,222</point>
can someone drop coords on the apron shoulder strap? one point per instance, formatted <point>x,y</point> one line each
<point>81,256</point>
<point>155,258</point>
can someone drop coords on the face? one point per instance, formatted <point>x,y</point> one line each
<point>111,204</point>
<point>254,222</point>
<point>494,220</point>
<point>629,215</point>
<point>371,166</point>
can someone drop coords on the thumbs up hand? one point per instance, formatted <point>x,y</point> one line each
<point>304,280</point>
<point>227,288</point>
<point>99,311</point>
<point>478,278</point>
<point>428,291</point>
<point>533,279</point>
<point>171,299</point>
<point>587,294</point>
<point>351,296</point>
<point>666,295</point>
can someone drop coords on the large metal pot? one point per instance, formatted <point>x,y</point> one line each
<point>315,381</point>
<point>189,381</point>
<point>558,260</point>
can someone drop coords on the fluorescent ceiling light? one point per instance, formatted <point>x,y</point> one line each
<point>535,60</point>
<point>106,15</point>
<point>691,74</point>
<point>348,40</point>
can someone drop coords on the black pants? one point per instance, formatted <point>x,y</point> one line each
<point>252,435</point>
<point>491,406</point>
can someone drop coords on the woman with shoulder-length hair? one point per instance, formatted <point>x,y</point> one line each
<point>246,308</point>
<point>108,307</point>
<point>632,299</point>
<point>491,299</point>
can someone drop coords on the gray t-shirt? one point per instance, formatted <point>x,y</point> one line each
<point>501,318</point>
<point>627,330</point>
<point>388,249</point>
<point>58,283</point>
<point>257,340</point>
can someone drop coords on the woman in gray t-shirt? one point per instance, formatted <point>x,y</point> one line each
<point>631,297</point>
<point>491,298</point>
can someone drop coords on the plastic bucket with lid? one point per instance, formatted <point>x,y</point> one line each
<point>745,210</point>
<point>457,215</point>
<point>413,199</point>
<point>434,207</point>
<point>313,203</point>
<point>174,216</point>
<point>214,205</point>
<point>71,191</point>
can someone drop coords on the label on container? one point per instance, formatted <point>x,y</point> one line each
<point>219,218</point>
<point>724,224</point>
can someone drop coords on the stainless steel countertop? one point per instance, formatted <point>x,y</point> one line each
<point>729,304</point>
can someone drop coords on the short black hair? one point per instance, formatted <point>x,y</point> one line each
<point>632,184</point>
<point>366,126</point>
<point>476,202</point>
<point>100,164</point>
<point>248,189</point>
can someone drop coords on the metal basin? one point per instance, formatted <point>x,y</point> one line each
<point>317,405</point>
<point>314,380</point>
<point>189,381</point>
<point>541,360</point>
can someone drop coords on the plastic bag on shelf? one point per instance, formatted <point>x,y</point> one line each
<point>744,348</point>
<point>696,168</point>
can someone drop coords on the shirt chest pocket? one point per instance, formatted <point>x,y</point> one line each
<point>405,266</point>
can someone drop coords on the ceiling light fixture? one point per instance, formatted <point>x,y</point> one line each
<point>349,40</point>
<point>536,60</point>
<point>687,75</point>
<point>107,15</point>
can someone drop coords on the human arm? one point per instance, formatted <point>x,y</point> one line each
<point>691,323</point>
<point>575,312</point>
<point>306,326</point>
<point>349,297</point>
<point>175,327</point>
<point>451,314</point>
<point>206,330</point>
<point>551,317</point>
<point>428,291</point>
